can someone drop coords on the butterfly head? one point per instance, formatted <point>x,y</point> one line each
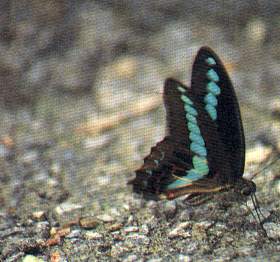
<point>245,187</point>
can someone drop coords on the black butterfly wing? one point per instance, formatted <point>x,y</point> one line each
<point>219,113</point>
<point>172,155</point>
<point>204,147</point>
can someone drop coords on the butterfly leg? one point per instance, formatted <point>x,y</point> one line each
<point>196,199</point>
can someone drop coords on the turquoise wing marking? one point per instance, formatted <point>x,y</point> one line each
<point>197,145</point>
<point>213,90</point>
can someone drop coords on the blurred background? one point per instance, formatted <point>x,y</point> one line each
<point>81,85</point>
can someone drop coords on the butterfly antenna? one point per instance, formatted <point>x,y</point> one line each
<point>273,161</point>
<point>258,212</point>
<point>251,211</point>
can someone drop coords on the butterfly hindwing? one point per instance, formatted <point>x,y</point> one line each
<point>156,172</point>
<point>181,158</point>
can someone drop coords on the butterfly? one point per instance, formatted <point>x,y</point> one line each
<point>203,151</point>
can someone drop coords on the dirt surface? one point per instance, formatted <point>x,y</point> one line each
<point>80,94</point>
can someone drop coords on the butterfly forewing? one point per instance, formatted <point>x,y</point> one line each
<point>219,115</point>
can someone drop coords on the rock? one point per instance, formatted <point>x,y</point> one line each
<point>74,234</point>
<point>155,260</point>
<point>106,218</point>
<point>179,231</point>
<point>131,258</point>
<point>66,207</point>
<point>131,229</point>
<point>272,230</point>
<point>88,222</point>
<point>184,258</point>
<point>199,230</point>
<point>39,215</point>
<point>93,235</point>
<point>257,154</point>
<point>29,157</point>
<point>186,215</point>
<point>169,209</point>
<point>145,229</point>
<point>43,229</point>
<point>138,239</point>
<point>115,227</point>
<point>97,142</point>
<point>30,258</point>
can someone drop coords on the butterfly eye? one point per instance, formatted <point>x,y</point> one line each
<point>246,191</point>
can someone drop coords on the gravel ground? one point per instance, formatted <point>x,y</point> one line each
<point>80,96</point>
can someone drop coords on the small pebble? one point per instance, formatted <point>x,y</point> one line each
<point>93,235</point>
<point>97,142</point>
<point>145,229</point>
<point>29,157</point>
<point>115,212</point>
<point>184,258</point>
<point>43,229</point>
<point>131,258</point>
<point>126,207</point>
<point>246,251</point>
<point>257,154</point>
<point>118,250</point>
<point>3,151</point>
<point>30,258</point>
<point>66,208</point>
<point>74,234</point>
<point>138,239</point>
<point>106,218</point>
<point>115,227</point>
<point>39,215</point>
<point>204,224</point>
<point>117,236</point>
<point>88,222</point>
<point>170,209</point>
<point>277,186</point>
<point>272,230</point>
<point>179,231</point>
<point>155,260</point>
<point>185,215</point>
<point>130,219</point>
<point>131,229</point>
<point>199,231</point>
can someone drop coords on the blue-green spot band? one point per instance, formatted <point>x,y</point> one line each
<point>194,175</point>
<point>193,128</point>
<point>210,61</point>
<point>189,109</point>
<point>197,138</point>
<point>186,100</point>
<point>212,75</point>
<point>198,149</point>
<point>191,118</point>
<point>211,99</point>
<point>200,165</point>
<point>211,110</point>
<point>181,89</point>
<point>213,90</point>
<point>197,145</point>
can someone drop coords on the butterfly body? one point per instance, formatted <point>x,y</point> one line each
<point>204,149</point>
